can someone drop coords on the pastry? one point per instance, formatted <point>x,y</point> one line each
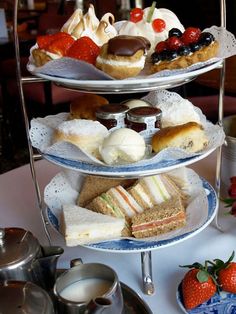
<point>189,136</point>
<point>86,134</point>
<point>151,23</point>
<point>181,50</point>
<point>123,56</point>
<point>85,105</point>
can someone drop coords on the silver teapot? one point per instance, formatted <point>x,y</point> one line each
<point>23,258</point>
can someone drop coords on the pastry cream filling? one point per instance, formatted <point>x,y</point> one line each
<point>53,56</point>
<point>127,63</point>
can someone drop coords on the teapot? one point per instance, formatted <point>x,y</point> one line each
<point>23,258</point>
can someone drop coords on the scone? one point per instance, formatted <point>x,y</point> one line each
<point>123,56</point>
<point>88,135</point>
<point>189,136</point>
<point>85,105</point>
<point>182,50</point>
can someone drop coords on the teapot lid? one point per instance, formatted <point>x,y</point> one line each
<point>17,246</point>
<point>24,297</point>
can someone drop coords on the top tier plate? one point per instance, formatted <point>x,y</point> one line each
<point>141,84</point>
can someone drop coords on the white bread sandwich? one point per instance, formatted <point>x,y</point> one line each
<point>162,218</point>
<point>82,226</point>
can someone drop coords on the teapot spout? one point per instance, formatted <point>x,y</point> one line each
<point>48,263</point>
<point>99,305</point>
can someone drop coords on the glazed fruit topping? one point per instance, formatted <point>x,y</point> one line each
<point>84,49</point>
<point>178,44</point>
<point>191,35</point>
<point>158,25</point>
<point>136,15</point>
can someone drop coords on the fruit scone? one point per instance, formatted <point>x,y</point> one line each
<point>181,50</point>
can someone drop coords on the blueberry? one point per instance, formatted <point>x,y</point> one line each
<point>171,54</point>
<point>195,47</point>
<point>206,38</point>
<point>184,51</point>
<point>155,57</point>
<point>175,32</point>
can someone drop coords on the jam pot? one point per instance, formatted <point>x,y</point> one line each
<point>112,115</point>
<point>144,119</point>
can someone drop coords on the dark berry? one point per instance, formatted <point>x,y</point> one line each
<point>195,47</point>
<point>232,190</point>
<point>175,32</point>
<point>171,54</point>
<point>155,57</point>
<point>184,51</point>
<point>206,38</point>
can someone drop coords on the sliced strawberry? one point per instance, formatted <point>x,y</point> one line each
<point>61,45</point>
<point>174,43</point>
<point>84,49</point>
<point>191,35</point>
<point>44,41</point>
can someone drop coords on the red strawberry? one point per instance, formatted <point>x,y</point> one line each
<point>198,286</point>
<point>233,179</point>
<point>174,43</point>
<point>60,46</point>
<point>191,35</point>
<point>44,41</point>
<point>84,49</point>
<point>226,274</point>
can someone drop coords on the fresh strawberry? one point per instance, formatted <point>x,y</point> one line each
<point>198,286</point>
<point>233,179</point>
<point>162,45</point>
<point>191,35</point>
<point>232,189</point>
<point>84,49</point>
<point>158,25</point>
<point>44,41</point>
<point>226,272</point>
<point>136,15</point>
<point>60,46</point>
<point>174,43</point>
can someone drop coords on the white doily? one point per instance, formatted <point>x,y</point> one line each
<point>42,130</point>
<point>75,69</point>
<point>64,189</point>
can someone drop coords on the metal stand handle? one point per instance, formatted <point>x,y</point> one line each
<point>26,121</point>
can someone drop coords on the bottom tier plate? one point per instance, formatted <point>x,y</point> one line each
<point>132,246</point>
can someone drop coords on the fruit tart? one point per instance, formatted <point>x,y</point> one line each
<point>181,50</point>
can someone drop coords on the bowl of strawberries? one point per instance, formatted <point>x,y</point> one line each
<point>209,288</point>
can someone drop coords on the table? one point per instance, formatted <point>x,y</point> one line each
<point>211,79</point>
<point>18,208</point>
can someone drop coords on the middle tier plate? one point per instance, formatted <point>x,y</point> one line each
<point>128,171</point>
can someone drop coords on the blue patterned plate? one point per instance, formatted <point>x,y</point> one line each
<point>125,170</point>
<point>132,246</point>
<point>223,303</point>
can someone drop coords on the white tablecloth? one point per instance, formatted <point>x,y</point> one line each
<point>18,208</point>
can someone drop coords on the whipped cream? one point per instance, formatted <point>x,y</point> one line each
<point>128,64</point>
<point>145,29</point>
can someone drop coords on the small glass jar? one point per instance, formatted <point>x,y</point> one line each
<point>144,118</point>
<point>112,115</point>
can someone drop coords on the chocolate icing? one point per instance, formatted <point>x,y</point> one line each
<point>125,45</point>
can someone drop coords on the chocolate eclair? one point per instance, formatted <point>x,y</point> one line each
<point>123,56</point>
